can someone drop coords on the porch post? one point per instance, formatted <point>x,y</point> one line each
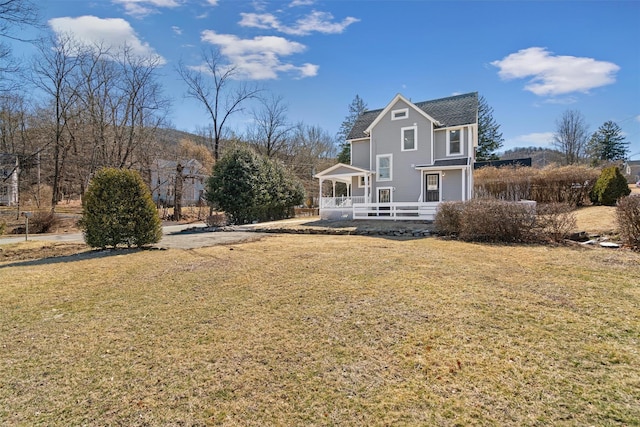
<point>366,188</point>
<point>464,184</point>
<point>334,188</point>
<point>320,195</point>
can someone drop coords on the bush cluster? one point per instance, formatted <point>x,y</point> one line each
<point>492,220</point>
<point>610,186</point>
<point>248,187</point>
<point>42,222</point>
<point>567,184</point>
<point>628,219</point>
<point>118,210</point>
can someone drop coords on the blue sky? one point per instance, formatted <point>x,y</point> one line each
<point>531,60</point>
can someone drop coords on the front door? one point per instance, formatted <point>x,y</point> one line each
<point>432,184</point>
<point>384,196</point>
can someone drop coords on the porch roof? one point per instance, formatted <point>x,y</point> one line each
<point>342,172</point>
<point>446,163</point>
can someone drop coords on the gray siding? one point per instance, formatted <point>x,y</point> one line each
<point>451,185</point>
<point>386,138</point>
<point>440,151</point>
<point>355,191</point>
<point>360,154</point>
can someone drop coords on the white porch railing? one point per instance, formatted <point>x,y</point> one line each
<point>395,211</point>
<point>340,202</point>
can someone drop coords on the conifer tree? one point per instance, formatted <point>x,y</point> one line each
<point>489,136</point>
<point>356,108</point>
<point>607,144</point>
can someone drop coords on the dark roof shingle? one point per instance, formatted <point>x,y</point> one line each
<point>451,111</point>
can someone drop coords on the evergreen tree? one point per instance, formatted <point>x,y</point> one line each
<point>356,108</point>
<point>489,136</point>
<point>118,209</point>
<point>610,186</point>
<point>607,144</point>
<point>248,187</point>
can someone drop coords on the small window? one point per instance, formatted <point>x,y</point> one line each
<point>384,167</point>
<point>400,114</point>
<point>454,142</point>
<point>361,182</point>
<point>409,139</point>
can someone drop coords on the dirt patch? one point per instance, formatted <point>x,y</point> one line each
<point>39,250</point>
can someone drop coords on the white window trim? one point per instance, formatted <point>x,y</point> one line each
<point>415,138</point>
<point>390,156</point>
<point>449,153</point>
<point>394,114</point>
<point>384,188</point>
<point>361,182</point>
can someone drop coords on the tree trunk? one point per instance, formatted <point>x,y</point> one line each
<point>177,202</point>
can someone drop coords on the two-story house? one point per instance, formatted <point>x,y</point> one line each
<point>163,180</point>
<point>405,160</point>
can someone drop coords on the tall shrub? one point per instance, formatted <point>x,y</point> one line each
<point>249,188</point>
<point>567,184</point>
<point>628,219</point>
<point>118,210</point>
<point>610,186</point>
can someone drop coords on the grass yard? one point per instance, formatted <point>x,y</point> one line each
<point>323,330</point>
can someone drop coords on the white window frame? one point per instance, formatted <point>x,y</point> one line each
<point>378,157</point>
<point>361,182</point>
<point>400,114</point>
<point>415,138</point>
<point>449,153</point>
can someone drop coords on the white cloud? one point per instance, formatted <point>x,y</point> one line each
<point>142,8</point>
<point>320,22</point>
<point>212,2</point>
<point>638,118</point>
<point>259,58</point>
<point>176,30</point>
<point>536,139</point>
<point>296,3</point>
<point>552,75</point>
<point>114,33</point>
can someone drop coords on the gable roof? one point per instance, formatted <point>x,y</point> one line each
<point>388,108</point>
<point>451,111</point>
<point>343,170</point>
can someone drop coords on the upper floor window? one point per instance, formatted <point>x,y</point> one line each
<point>400,114</point>
<point>409,138</point>
<point>454,142</point>
<point>384,167</point>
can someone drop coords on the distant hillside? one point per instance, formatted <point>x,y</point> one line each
<point>540,157</point>
<point>171,137</point>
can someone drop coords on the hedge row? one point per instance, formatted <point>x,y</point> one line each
<point>568,184</point>
<point>492,220</point>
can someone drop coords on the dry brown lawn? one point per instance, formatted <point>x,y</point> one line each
<point>323,330</point>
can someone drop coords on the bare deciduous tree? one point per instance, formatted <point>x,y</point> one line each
<point>270,132</point>
<point>571,136</point>
<point>212,85</point>
<point>13,13</point>
<point>53,74</point>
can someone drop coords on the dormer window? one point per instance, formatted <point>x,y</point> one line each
<point>400,114</point>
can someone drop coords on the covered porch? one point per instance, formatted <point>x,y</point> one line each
<point>333,206</point>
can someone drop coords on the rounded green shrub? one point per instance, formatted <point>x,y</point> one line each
<point>118,210</point>
<point>610,186</point>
